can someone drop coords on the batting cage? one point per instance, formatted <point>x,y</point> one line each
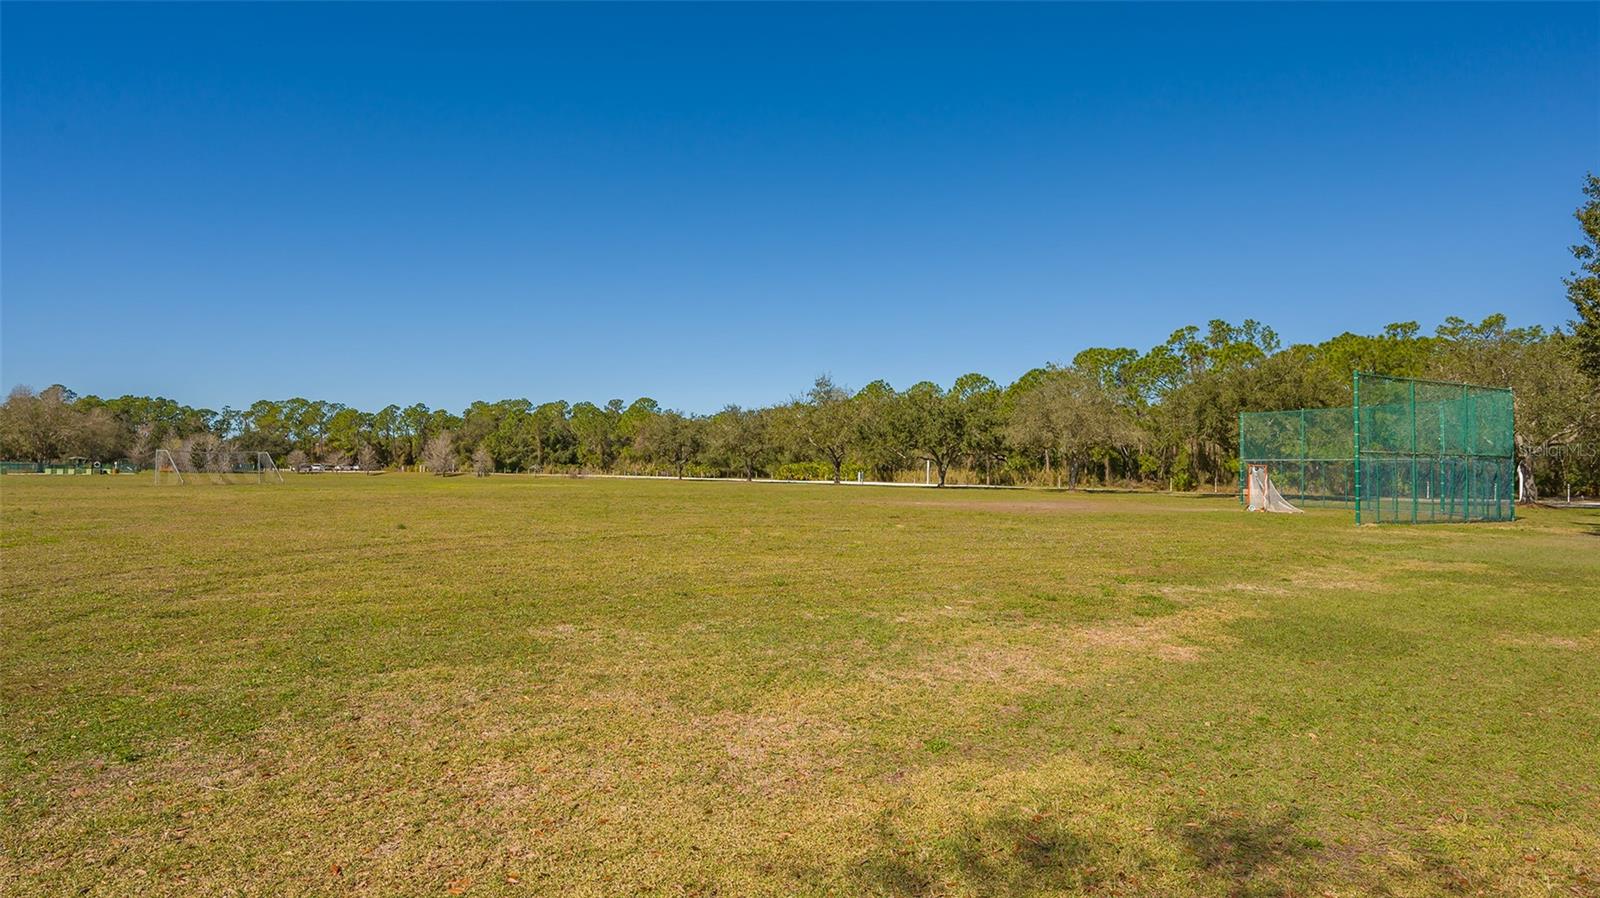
<point>1408,451</point>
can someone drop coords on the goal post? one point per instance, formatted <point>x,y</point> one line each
<point>1262,495</point>
<point>200,461</point>
<point>166,464</point>
<point>266,470</point>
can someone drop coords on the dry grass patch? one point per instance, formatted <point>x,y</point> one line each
<point>1588,643</point>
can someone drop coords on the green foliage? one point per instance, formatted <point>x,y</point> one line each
<point>1583,285</point>
<point>738,440</point>
<point>596,431</point>
<point>803,470</point>
<point>1076,417</point>
<point>1183,472</point>
<point>827,422</point>
<point>935,426</point>
<point>882,443</point>
<point>1164,417</point>
<point>669,438</point>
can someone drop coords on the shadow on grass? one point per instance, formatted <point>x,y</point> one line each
<point>1000,856</point>
<point>1234,853</point>
<point>1248,852</point>
<point>1129,491</point>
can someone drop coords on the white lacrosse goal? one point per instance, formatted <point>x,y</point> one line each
<point>1261,495</point>
<point>214,464</point>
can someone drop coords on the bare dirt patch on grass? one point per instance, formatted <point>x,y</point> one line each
<point>1085,506</point>
<point>1185,590</point>
<point>770,748</point>
<point>1588,643</point>
<point>1180,636</point>
<point>1447,567</point>
<point>1024,657</point>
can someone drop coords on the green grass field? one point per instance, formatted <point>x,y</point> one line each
<point>411,685</point>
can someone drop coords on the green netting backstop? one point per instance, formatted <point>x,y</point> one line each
<point>1408,450</point>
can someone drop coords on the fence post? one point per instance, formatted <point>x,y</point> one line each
<point>1240,484</point>
<point>1514,467</point>
<point>1355,409</point>
<point>1302,456</point>
<point>1413,452</point>
<point>1466,436</point>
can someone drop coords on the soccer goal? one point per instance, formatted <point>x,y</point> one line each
<point>1263,496</point>
<point>166,468</point>
<point>214,464</point>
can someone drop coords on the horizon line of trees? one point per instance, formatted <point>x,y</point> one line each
<point>1166,417</point>
<point>1115,416</point>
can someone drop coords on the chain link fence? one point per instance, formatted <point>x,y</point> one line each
<point>1408,451</point>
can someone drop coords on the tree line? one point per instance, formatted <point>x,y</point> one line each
<point>1165,417</point>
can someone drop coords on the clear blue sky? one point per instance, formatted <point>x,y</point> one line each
<point>710,204</point>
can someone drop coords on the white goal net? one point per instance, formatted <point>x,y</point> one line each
<point>201,462</point>
<point>1263,496</point>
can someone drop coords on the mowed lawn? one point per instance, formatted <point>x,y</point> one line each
<point>402,685</point>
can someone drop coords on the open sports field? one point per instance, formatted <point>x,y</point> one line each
<point>410,685</point>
